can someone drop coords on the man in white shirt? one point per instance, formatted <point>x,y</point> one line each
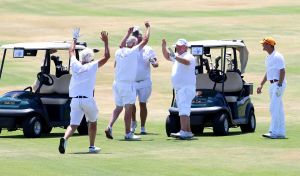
<point>125,73</point>
<point>275,74</point>
<point>81,89</point>
<point>184,84</point>
<point>143,82</point>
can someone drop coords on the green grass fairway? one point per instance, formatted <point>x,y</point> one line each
<point>234,155</point>
<point>237,154</point>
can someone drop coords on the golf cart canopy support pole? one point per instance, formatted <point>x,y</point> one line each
<point>223,67</point>
<point>2,63</point>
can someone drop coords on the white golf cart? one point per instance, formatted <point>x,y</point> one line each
<point>46,103</point>
<point>223,97</point>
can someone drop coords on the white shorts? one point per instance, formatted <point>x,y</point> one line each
<point>144,94</point>
<point>124,93</point>
<point>83,106</point>
<point>143,90</point>
<point>184,97</point>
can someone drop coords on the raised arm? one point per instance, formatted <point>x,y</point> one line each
<point>171,55</point>
<point>106,56</point>
<point>182,60</point>
<point>164,50</point>
<point>72,48</point>
<point>123,42</point>
<point>75,34</point>
<point>75,65</point>
<point>146,37</point>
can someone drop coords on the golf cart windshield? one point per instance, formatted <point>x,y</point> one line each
<point>216,53</point>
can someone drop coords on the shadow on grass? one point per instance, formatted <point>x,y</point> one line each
<point>148,134</point>
<point>234,133</point>
<point>88,153</point>
<point>179,139</point>
<point>135,140</point>
<point>51,135</point>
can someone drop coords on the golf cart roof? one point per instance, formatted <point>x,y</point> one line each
<point>218,43</point>
<point>41,45</point>
<point>238,44</point>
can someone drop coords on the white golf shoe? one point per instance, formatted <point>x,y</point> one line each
<point>94,149</point>
<point>131,137</point>
<point>182,135</point>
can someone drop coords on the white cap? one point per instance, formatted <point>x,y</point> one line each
<point>86,55</point>
<point>182,42</point>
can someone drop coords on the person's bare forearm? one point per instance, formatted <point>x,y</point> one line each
<point>167,56</point>
<point>164,50</point>
<point>107,52</point>
<point>104,38</point>
<point>281,76</point>
<point>72,48</point>
<point>146,37</point>
<point>105,57</point>
<point>264,80</point>
<point>182,60</point>
<point>123,42</point>
<point>165,53</point>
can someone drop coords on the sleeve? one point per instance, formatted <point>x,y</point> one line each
<point>76,66</point>
<point>192,60</point>
<point>150,54</point>
<point>280,62</point>
<point>94,66</point>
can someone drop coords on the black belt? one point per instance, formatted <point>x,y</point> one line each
<point>273,81</point>
<point>80,97</point>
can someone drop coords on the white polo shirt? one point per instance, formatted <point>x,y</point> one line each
<point>274,63</point>
<point>126,64</point>
<point>184,75</point>
<point>83,78</point>
<point>143,69</point>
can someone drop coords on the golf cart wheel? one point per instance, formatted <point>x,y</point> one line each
<point>197,129</point>
<point>83,127</point>
<point>221,124</point>
<point>251,125</point>
<point>32,127</point>
<point>172,125</point>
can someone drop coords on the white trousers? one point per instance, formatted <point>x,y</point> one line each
<point>277,125</point>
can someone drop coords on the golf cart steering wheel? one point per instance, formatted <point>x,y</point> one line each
<point>217,76</point>
<point>45,79</point>
<point>29,87</point>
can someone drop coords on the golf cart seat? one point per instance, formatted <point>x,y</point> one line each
<point>62,84</point>
<point>58,93</point>
<point>45,89</point>
<point>233,83</point>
